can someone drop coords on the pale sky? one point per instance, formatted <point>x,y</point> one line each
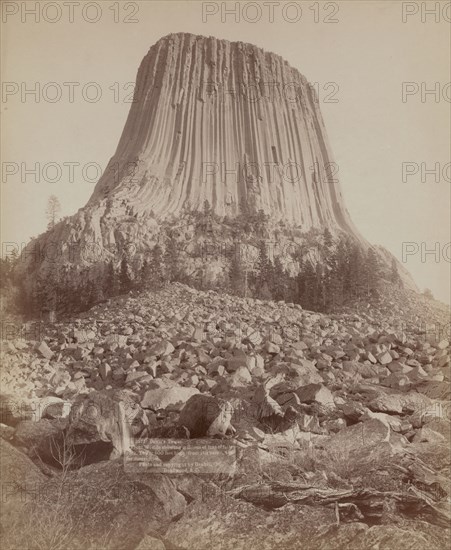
<point>365,57</point>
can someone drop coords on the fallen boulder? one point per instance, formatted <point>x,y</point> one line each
<point>111,417</point>
<point>204,415</point>
<point>173,398</point>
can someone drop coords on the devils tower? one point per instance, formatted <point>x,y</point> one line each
<point>229,123</point>
<point>216,124</point>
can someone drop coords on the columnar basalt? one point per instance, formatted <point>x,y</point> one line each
<point>228,123</point>
<point>212,122</point>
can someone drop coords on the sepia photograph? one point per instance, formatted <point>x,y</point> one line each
<point>225,275</point>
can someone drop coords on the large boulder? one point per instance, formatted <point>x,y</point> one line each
<point>22,485</point>
<point>45,351</point>
<point>110,416</point>
<point>316,393</point>
<point>204,415</point>
<point>161,349</point>
<point>173,398</point>
<point>241,377</point>
<point>359,436</point>
<point>387,403</point>
<point>18,472</point>
<point>43,439</point>
<point>300,373</point>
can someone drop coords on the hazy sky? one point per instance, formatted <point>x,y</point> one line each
<point>361,60</point>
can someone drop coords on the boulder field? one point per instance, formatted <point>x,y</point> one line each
<point>297,429</point>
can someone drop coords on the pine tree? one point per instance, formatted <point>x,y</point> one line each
<point>394,273</point>
<point>172,261</point>
<point>51,290</point>
<point>428,294</point>
<point>72,295</point>
<point>338,275</point>
<point>207,208</point>
<point>307,286</point>
<point>292,289</point>
<point>151,272</point>
<point>13,258</point>
<point>327,238</point>
<point>53,211</point>
<point>144,275</point>
<point>280,284</point>
<point>83,290</point>
<point>319,295</point>
<point>260,222</point>
<point>156,267</point>
<point>355,285</point>
<point>265,292</point>
<point>332,281</point>
<point>125,280</point>
<point>344,255</point>
<point>264,275</point>
<point>89,294</point>
<point>5,269</point>
<point>237,276</point>
<point>97,294</point>
<point>39,296</point>
<point>23,299</point>
<point>372,271</point>
<point>111,287</point>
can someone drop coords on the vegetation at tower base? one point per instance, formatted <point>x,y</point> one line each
<point>213,199</point>
<point>206,165</point>
<point>246,256</point>
<point>52,211</point>
<point>237,275</point>
<point>125,278</point>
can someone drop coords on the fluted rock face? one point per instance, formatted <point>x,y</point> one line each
<point>228,123</point>
<point>212,121</point>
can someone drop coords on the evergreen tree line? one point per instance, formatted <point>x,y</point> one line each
<point>342,272</point>
<point>74,289</point>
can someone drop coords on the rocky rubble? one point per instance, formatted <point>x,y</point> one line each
<point>343,417</point>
